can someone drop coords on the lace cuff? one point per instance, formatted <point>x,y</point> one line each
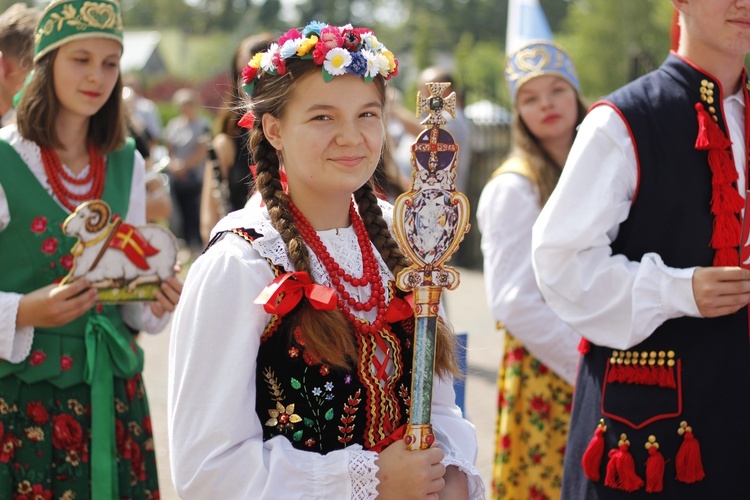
<point>15,343</point>
<point>362,470</point>
<point>476,485</point>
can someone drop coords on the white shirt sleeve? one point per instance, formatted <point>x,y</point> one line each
<point>607,298</point>
<point>216,437</point>
<point>507,209</point>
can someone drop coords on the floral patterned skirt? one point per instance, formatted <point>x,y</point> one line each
<point>534,413</point>
<point>45,441</point>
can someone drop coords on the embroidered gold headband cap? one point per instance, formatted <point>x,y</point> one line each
<point>66,20</point>
<point>538,58</point>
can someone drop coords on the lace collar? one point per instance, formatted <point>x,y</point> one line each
<point>341,243</point>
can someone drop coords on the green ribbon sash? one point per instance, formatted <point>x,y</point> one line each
<point>108,353</point>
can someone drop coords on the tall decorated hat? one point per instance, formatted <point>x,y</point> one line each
<point>538,58</point>
<point>66,20</point>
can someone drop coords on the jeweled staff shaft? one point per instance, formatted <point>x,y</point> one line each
<point>430,220</point>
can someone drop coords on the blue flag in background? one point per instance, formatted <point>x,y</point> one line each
<point>526,22</point>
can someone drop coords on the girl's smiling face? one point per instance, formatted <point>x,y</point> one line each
<point>330,137</point>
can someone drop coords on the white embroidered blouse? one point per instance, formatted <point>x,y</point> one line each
<point>216,438</point>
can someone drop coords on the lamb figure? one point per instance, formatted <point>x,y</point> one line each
<point>115,254</point>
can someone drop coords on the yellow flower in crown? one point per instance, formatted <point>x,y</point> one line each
<point>66,20</point>
<point>255,61</point>
<point>538,58</point>
<point>306,45</point>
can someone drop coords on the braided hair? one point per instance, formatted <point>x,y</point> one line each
<point>328,336</point>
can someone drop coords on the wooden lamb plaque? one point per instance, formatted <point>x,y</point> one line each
<point>126,263</point>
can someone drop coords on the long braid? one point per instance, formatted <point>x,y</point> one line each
<point>269,185</point>
<point>377,228</point>
<point>327,334</point>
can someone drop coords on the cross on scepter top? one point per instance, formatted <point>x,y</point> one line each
<point>435,103</point>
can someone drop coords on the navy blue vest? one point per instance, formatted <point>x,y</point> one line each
<point>709,358</point>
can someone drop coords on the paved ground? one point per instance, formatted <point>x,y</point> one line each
<point>467,309</point>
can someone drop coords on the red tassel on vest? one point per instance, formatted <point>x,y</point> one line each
<point>592,457</point>
<point>621,468</point>
<point>654,467</point>
<point>726,201</point>
<point>688,461</point>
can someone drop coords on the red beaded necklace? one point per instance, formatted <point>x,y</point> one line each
<point>370,274</point>
<point>56,173</point>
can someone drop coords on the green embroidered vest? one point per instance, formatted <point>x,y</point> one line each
<point>36,253</point>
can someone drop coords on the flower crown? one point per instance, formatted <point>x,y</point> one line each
<point>338,49</point>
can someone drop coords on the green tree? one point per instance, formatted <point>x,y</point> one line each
<point>479,70</point>
<point>555,11</point>
<point>614,42</point>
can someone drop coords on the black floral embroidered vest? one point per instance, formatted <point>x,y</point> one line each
<point>318,408</point>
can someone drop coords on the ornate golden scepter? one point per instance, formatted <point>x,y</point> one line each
<point>430,221</point>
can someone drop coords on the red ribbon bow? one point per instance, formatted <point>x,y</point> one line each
<point>247,121</point>
<point>282,294</point>
<point>400,309</point>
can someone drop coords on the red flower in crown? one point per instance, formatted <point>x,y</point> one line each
<point>292,34</point>
<point>280,63</point>
<point>330,38</point>
<point>39,224</point>
<point>352,39</point>
<point>49,246</point>
<point>249,73</point>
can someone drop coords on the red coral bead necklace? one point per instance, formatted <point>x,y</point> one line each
<point>370,273</point>
<point>56,174</point>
